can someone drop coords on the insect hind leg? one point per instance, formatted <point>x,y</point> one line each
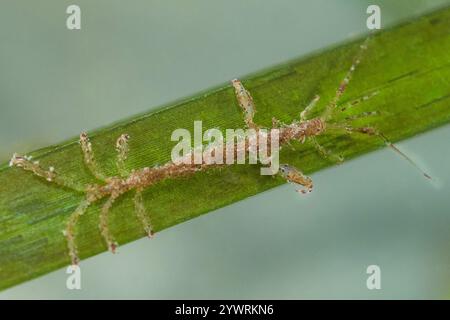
<point>104,228</point>
<point>142,214</point>
<point>69,232</point>
<point>49,175</point>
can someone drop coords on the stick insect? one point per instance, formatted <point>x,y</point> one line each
<point>136,181</point>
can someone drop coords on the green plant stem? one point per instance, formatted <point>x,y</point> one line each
<point>409,65</point>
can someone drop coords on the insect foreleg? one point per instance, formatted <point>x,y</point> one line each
<point>309,107</point>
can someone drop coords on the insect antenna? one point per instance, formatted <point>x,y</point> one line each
<point>398,151</point>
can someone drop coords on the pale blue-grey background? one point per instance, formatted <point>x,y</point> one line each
<point>130,56</point>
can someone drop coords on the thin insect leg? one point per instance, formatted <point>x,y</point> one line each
<point>122,154</point>
<point>324,152</point>
<point>359,100</point>
<point>374,132</point>
<point>394,147</point>
<point>319,147</point>
<point>276,123</point>
<point>362,115</point>
<point>309,107</point>
<point>344,83</point>
<point>69,232</point>
<point>142,213</point>
<point>301,190</point>
<point>89,158</point>
<point>104,230</point>
<point>245,100</point>
<point>306,183</point>
<point>50,175</point>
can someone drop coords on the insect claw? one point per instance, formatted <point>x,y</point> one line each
<point>113,246</point>
<point>75,261</point>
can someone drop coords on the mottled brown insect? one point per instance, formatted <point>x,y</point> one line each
<point>137,180</point>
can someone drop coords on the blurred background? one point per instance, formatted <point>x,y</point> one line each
<point>130,57</point>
